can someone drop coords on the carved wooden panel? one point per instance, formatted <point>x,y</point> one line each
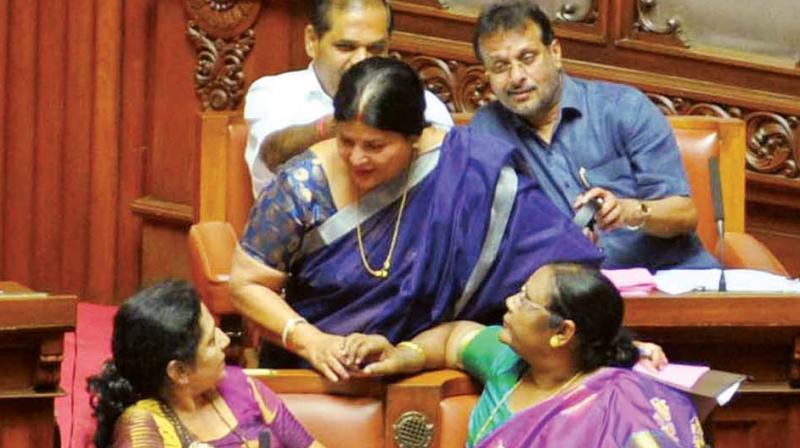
<point>773,140</point>
<point>219,80</point>
<point>462,87</point>
<point>222,34</point>
<point>769,29</point>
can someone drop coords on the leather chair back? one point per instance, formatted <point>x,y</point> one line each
<point>700,139</point>
<point>697,148</point>
<point>211,250</point>
<point>346,414</point>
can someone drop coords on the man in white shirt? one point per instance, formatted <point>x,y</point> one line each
<point>289,112</point>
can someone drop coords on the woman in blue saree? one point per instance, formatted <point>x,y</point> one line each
<point>392,227</point>
<point>556,374</point>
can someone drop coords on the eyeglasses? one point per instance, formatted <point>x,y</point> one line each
<point>555,318</point>
<point>526,300</point>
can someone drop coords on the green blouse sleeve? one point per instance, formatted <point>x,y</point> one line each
<point>481,353</point>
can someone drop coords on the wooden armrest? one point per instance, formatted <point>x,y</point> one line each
<point>306,381</point>
<point>447,383</point>
<point>420,397</point>
<point>743,251</point>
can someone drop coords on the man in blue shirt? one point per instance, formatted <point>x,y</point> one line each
<point>585,140</point>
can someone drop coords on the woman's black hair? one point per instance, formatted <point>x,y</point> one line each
<point>585,296</point>
<point>383,93</point>
<point>155,326</point>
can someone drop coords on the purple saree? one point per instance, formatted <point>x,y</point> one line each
<point>259,413</point>
<point>285,430</point>
<point>612,408</point>
<point>474,227</point>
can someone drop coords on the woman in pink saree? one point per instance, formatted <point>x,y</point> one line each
<point>557,373</point>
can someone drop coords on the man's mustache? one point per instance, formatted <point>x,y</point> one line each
<point>526,89</point>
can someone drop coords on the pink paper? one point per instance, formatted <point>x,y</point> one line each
<point>677,374</point>
<point>631,282</point>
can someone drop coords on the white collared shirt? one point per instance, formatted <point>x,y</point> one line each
<point>294,98</point>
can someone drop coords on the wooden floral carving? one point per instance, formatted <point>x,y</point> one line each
<point>222,34</point>
<point>773,146</point>
<point>219,79</point>
<point>462,87</point>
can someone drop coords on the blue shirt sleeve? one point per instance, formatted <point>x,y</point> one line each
<point>651,147</point>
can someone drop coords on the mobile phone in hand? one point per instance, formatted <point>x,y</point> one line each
<point>584,216</point>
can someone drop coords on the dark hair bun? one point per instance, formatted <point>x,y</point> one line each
<point>111,394</point>
<point>621,352</point>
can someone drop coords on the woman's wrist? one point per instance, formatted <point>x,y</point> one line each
<point>415,356</point>
<point>301,337</point>
<point>288,329</point>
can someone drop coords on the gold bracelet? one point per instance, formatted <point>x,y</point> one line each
<point>412,346</point>
<point>287,330</point>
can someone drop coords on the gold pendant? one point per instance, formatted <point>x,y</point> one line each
<point>380,273</point>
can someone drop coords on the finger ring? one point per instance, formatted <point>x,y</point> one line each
<point>645,352</point>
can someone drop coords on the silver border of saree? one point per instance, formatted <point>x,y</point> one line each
<point>345,220</point>
<point>504,194</point>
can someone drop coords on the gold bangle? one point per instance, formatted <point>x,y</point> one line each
<point>413,347</point>
<point>287,330</point>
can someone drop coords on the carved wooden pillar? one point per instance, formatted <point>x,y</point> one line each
<point>222,34</point>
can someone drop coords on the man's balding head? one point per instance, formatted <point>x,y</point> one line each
<point>321,18</point>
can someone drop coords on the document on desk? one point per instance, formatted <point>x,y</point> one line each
<point>708,388</point>
<point>679,281</point>
<point>682,375</point>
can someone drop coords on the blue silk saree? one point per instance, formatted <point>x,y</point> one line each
<point>475,226</point>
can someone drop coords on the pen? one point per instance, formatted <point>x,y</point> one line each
<point>584,180</point>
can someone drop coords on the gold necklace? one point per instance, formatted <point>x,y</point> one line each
<point>491,417</point>
<point>186,437</point>
<point>383,272</point>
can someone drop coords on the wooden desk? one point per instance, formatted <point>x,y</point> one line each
<point>755,334</point>
<point>32,327</point>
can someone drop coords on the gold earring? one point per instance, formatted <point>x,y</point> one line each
<point>554,342</point>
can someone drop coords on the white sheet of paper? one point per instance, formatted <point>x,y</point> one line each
<point>679,281</point>
<point>727,394</point>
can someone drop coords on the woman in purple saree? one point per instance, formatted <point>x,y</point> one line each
<point>167,384</point>
<point>392,228</point>
<point>556,374</point>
